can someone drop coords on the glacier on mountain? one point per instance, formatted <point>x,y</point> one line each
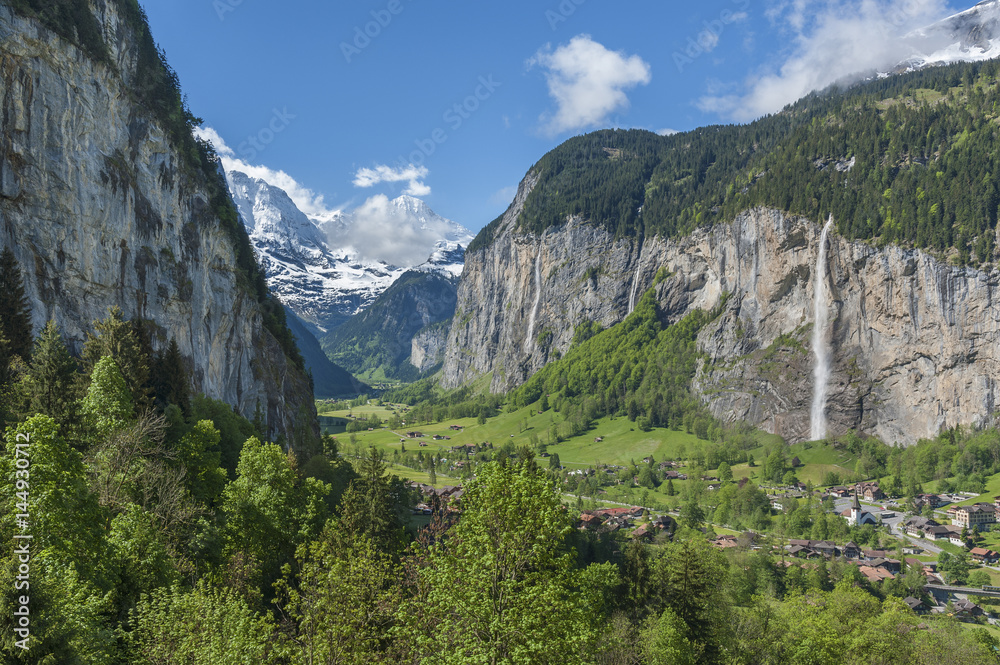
<point>311,263</point>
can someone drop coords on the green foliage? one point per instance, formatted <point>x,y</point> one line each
<point>503,587</point>
<point>15,314</point>
<point>345,602</point>
<point>380,337</point>
<point>51,384</point>
<point>921,145</point>
<point>123,341</point>
<point>375,505</point>
<point>233,428</point>
<point>269,510</point>
<point>107,407</point>
<point>202,626</point>
<point>639,368</point>
<point>201,455</point>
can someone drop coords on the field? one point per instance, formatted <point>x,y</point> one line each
<point>611,441</point>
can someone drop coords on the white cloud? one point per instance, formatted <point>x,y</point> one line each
<point>832,42</point>
<point>587,82</point>
<point>308,201</point>
<point>667,132</point>
<point>414,175</point>
<point>382,231</point>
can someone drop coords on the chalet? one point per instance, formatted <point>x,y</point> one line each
<point>422,444</point>
<point>980,514</point>
<point>456,428</point>
<point>876,575</point>
<point>647,460</point>
<point>891,565</point>
<point>725,542</point>
<point>915,605</point>
<point>967,609</point>
<point>869,490</point>
<point>673,475</point>
<point>664,523</point>
<point>840,492</point>
<point>852,551</point>
<point>803,552</point>
<point>932,500</point>
<point>590,521</point>
<point>642,533</point>
<point>414,435</point>
<point>917,526</point>
<point>598,439</point>
<point>983,555</point>
<point>713,486</point>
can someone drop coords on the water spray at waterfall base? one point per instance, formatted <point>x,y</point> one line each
<point>820,339</point>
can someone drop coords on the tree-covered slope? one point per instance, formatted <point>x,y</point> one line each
<point>908,159</point>
<point>329,379</point>
<point>377,342</point>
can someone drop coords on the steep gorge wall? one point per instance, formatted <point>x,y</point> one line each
<point>916,342</point>
<point>96,207</point>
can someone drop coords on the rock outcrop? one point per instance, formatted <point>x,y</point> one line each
<point>916,342</point>
<point>97,207</point>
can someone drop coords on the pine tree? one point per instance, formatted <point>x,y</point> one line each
<point>52,379</point>
<point>170,378</point>
<point>15,314</point>
<point>123,341</point>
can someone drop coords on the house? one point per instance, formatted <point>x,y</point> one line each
<point>983,555</point>
<point>915,605</point>
<point>414,435</point>
<point>916,526</point>
<point>664,523</point>
<point>590,521</point>
<point>852,551</point>
<point>869,490</point>
<point>876,575</point>
<point>979,514</point>
<point>967,609</point>
<point>642,533</point>
<point>725,542</point>
<point>890,565</point>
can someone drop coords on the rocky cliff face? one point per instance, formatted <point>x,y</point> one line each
<point>428,346</point>
<point>96,207</point>
<point>916,342</point>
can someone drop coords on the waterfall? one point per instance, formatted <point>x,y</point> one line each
<point>635,280</point>
<point>820,345</point>
<point>529,342</point>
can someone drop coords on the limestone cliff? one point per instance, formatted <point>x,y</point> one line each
<point>99,209</point>
<point>916,342</point>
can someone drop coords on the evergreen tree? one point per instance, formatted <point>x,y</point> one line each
<point>171,382</point>
<point>125,342</point>
<point>15,314</point>
<point>374,506</point>
<point>52,379</point>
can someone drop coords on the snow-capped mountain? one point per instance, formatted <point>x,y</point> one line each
<point>312,265</point>
<point>973,34</point>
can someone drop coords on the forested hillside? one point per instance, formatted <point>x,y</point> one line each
<point>908,159</point>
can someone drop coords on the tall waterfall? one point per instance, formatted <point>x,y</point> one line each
<point>529,342</point>
<point>820,343</point>
<point>635,287</point>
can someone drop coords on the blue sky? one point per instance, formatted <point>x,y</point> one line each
<point>454,101</point>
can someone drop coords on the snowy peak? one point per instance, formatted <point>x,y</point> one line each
<point>971,35</point>
<point>327,269</point>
